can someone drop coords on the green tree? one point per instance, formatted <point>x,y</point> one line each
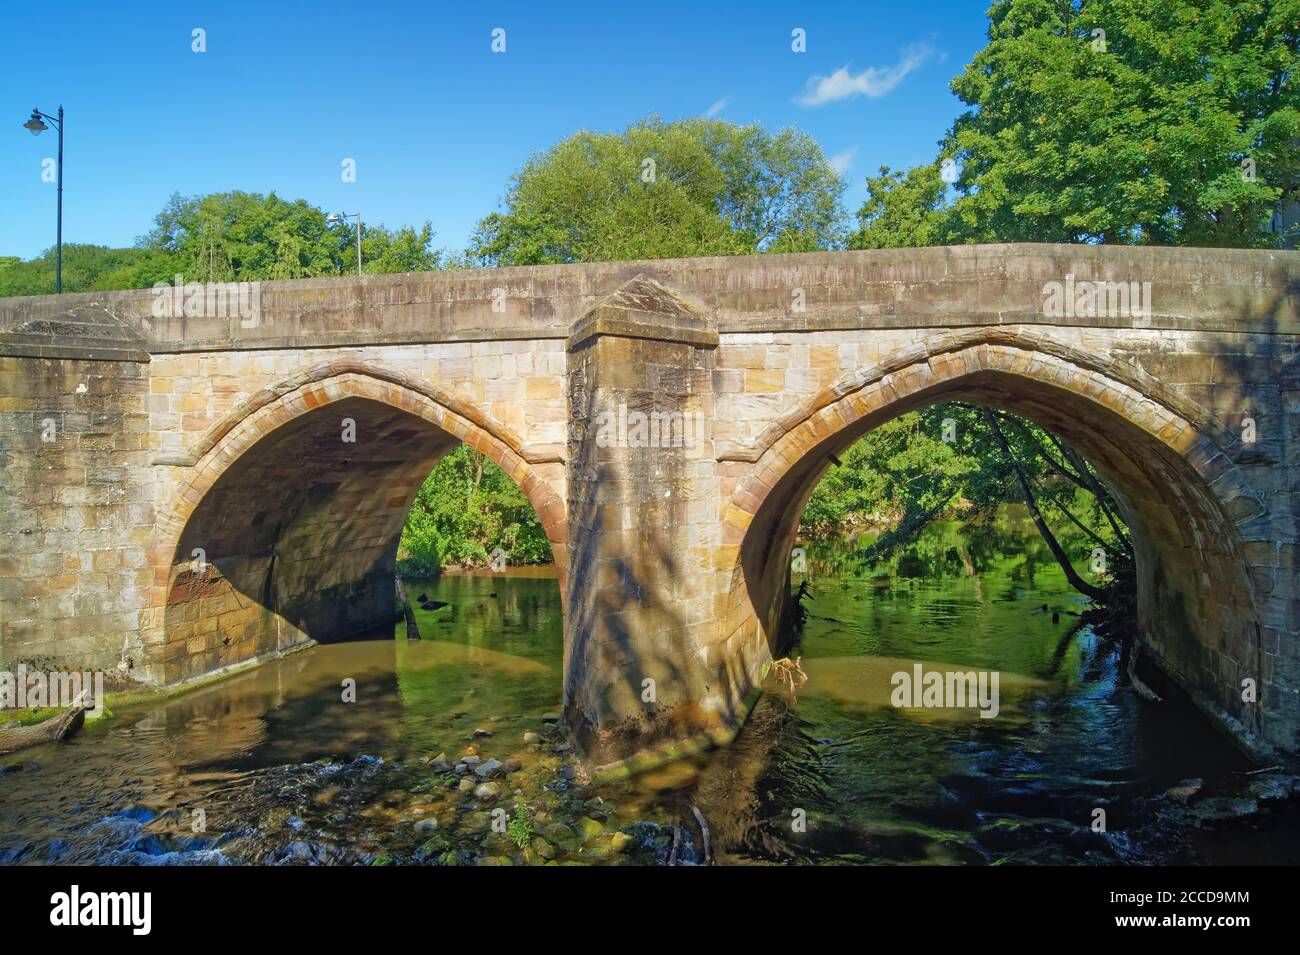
<point>656,190</point>
<point>86,268</point>
<point>903,210</point>
<point>1122,121</point>
<point>465,509</point>
<point>243,236</point>
<point>405,249</point>
<point>954,457</point>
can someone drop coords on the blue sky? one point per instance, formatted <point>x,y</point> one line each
<point>435,121</point>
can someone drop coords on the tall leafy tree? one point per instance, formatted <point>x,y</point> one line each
<point>903,210</point>
<point>464,510</point>
<point>666,189</point>
<point>244,236</point>
<point>1167,122</point>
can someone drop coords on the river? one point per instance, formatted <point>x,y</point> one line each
<point>274,766</point>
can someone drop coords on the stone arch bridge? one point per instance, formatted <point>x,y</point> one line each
<point>140,428</point>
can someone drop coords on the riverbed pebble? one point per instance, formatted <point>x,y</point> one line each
<point>589,829</point>
<point>1185,791</point>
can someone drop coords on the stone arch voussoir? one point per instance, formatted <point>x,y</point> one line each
<point>267,410</point>
<point>1179,423</point>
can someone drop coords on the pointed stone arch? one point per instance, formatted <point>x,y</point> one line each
<point>199,624</point>
<point>1172,465</point>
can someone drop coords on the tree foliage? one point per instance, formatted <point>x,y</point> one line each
<point>229,236</point>
<point>244,236</point>
<point>1120,121</point>
<point>903,210</point>
<point>464,510</point>
<point>85,268</point>
<point>953,457</point>
<point>659,190</point>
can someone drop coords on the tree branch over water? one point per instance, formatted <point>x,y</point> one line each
<point>1078,583</point>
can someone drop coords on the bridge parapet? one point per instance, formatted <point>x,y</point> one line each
<point>1203,290</point>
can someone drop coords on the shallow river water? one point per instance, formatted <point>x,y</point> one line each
<point>272,765</point>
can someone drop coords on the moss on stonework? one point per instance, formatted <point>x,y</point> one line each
<point>666,753</point>
<point>142,696</point>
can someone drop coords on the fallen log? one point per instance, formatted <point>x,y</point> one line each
<point>412,628</point>
<point>50,731</point>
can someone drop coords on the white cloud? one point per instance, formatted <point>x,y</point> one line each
<point>843,162</point>
<point>873,82</point>
<point>717,107</point>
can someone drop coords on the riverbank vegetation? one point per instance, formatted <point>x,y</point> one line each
<point>959,460</point>
<point>466,509</point>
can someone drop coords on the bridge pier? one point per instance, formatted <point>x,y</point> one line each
<point>643,599</point>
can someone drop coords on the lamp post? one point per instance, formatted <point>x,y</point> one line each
<point>37,127</point>
<point>339,217</point>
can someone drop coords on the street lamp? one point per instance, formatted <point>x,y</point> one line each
<point>336,217</point>
<point>37,127</point>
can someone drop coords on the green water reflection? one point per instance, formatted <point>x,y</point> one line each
<point>285,771</point>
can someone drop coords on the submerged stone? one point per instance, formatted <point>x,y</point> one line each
<point>589,829</point>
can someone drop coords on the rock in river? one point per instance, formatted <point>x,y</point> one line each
<point>1185,791</point>
<point>589,829</point>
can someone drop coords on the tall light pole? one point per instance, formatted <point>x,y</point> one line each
<point>37,127</point>
<point>339,217</point>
